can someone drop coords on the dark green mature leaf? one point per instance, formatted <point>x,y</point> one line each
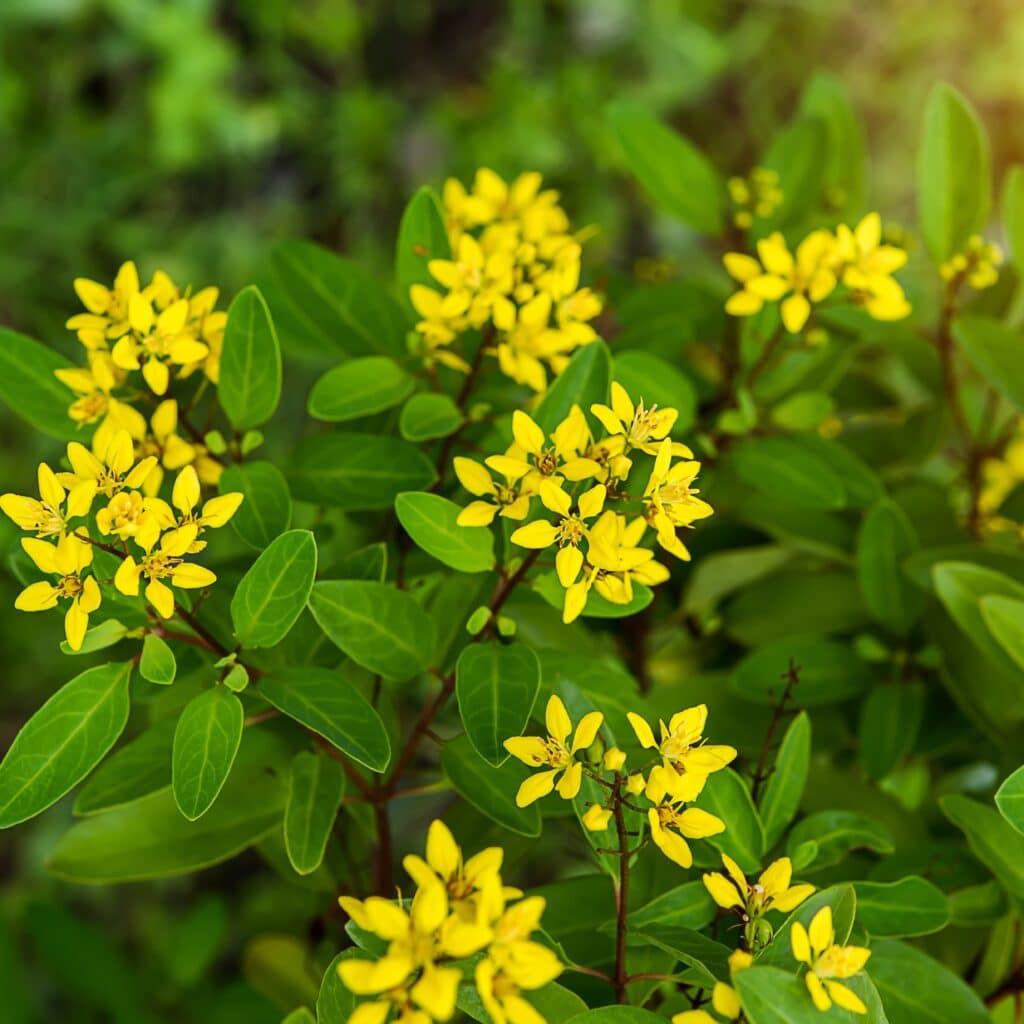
<point>98,638</point>
<point>994,350</point>
<point>431,521</point>
<point>357,471</point>
<point>1010,799</point>
<point>708,958</point>
<point>490,789</point>
<point>918,990</point>
<point>328,704</point>
<point>890,718</point>
<point>334,1004</point>
<point>29,388</point>
<point>157,664</point>
<point>726,795</point>
<point>976,905</point>
<point>616,1015</point>
<point>427,416</point>
<point>789,469</point>
<point>422,237</point>
<point>359,388</point>
<point>249,387</point>
<point>273,593</point>
<point>1013,213</point>
<point>377,625</point>
<point>687,906</point>
<point>843,902</point>
<point>896,910</point>
<point>496,686</point>
<point>836,833</point>
<point>1004,617</point>
<point>300,1016</point>
<point>63,741</point>
<point>885,541</point>
<point>994,841</point>
<point>339,301</point>
<point>786,784</point>
<point>649,378</point>
<point>266,511</point>
<point>315,787</point>
<point>205,745</point>
<point>954,188</point>
<point>583,382</point>
<point>677,175</point>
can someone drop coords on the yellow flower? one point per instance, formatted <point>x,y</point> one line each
<point>94,385</point>
<point>826,961</point>
<point>164,562</point>
<point>185,496</point>
<point>554,753</point>
<point>671,501</point>
<point>671,825</point>
<point>978,264</point>
<point>640,427</point>
<point>207,324</point>
<point>49,514</point>
<point>771,891</point>
<point>67,559</point>
<point>171,451</point>
<point>506,499</point>
<point>724,1000</point>
<point>533,457</point>
<point>110,468</point>
<point>107,316</point>
<point>804,279</point>
<point>757,195</point>
<point>596,818</point>
<point>127,516</point>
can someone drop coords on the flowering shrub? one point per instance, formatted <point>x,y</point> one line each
<point>693,605</point>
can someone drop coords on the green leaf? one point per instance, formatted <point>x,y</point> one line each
<point>797,154</point>
<point>845,164</point>
<point>338,301</point>
<point>805,410</point>
<point>377,625</point>
<point>431,521</point>
<point>157,664</point>
<point>976,905</point>
<point>300,1016</point>
<point>995,351</point>
<point>687,906</point>
<point>273,593</point>
<point>843,902</point>
<point>1004,617</point>
<point>334,1004</point>
<point>651,379</point>
<point>422,237</point>
<point>30,389</point>
<point>836,834</point>
<point>63,741</point>
<point>328,704</point>
<point>205,745</point>
<point>266,511</point>
<point>889,722</point>
<point>785,786</point>
<point>708,958</point>
<point>1013,213</point>
<point>584,381</point>
<point>359,388</point>
<point>1010,799</point>
<point>357,471</point>
<point>726,796</point>
<point>496,686</point>
<point>953,173</point>
<point>315,786</point>
<point>918,990</point>
<point>829,671</point>
<point>885,541</point>
<point>673,171</point>
<point>428,416</point>
<point>789,469</point>
<point>994,841</point>
<point>140,767</point>
<point>98,638</point>
<point>490,789</point>
<point>617,1015</point>
<point>895,910</point>
<point>278,967</point>
<point>250,364</point>
<point>771,996</point>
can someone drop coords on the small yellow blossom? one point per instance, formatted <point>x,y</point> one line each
<point>670,499</point>
<point>827,961</point>
<point>107,318</point>
<point>671,825</point>
<point>636,784</point>
<point>771,891</point>
<point>596,818</point>
<point>757,195</point>
<point>94,385</point>
<point>978,264</point>
<point>506,499</point>
<point>171,451</point>
<point>185,497</point>
<point>614,760</point>
<point>49,514</point>
<point>111,468</point>
<point>640,427</point>
<point>533,457</point>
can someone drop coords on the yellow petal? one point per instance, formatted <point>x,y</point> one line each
<point>642,730</point>
<point>817,990</point>
<point>586,731</point>
<point>157,376</point>
<point>568,563</point>
<point>43,554</point>
<point>800,943</point>
<point>556,719</point>
<point>443,853</point>
<point>36,597</point>
<point>473,476</point>
<point>554,498</point>
<point>526,432</point>
<point>821,932</point>
<point>190,576</point>
<point>795,311</point>
<point>792,898</point>
<point>76,622</point>
<point>535,787</point>
<point>537,534</point>
<point>722,891</point>
<point>126,579</point>
<point>477,513</point>
<point>219,510</point>
<point>845,998</point>
<point>94,296</point>
<point>161,597</point>
<point>570,782</point>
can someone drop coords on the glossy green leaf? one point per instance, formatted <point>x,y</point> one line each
<point>334,1004</point>
<point>359,388</point>
<point>205,745</point>
<point>315,786</point>
<point>422,237</point>
<point>63,741</point>
<point>1004,617</point>
<point>772,996</point>
<point>994,350</point>
<point>98,638</point>
<point>789,469</point>
<point>249,386</point>
<point>266,511</point>
<point>890,718</point>
<point>885,541</point>
<point>357,471</point>
<point>157,664</point>
<point>674,172</point>
<point>785,786</point>
<point>895,910</point>
<point>496,686</point>
<point>1013,213</point>
<point>687,906</point>
<point>1010,799</point>
<point>841,899</point>
<point>377,625</point>
<point>29,388</point>
<point>709,959</point>
<point>490,789</point>
<point>836,833</point>
<point>953,173</point>
<point>994,841</point>
<point>652,380</point>
<point>431,521</point>
<point>584,381</point>
<point>428,416</point>
<point>273,593</point>
<point>727,797</point>
<point>332,707</point>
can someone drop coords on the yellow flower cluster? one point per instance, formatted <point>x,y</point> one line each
<point>757,195</point>
<point>597,547</point>
<point>164,535</point>
<point>826,960</point>
<point>460,909</point>
<point>978,264</point>
<point>516,267</point>
<point>855,258</point>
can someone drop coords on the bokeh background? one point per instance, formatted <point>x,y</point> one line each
<point>191,134</point>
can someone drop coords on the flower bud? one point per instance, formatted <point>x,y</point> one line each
<point>614,759</point>
<point>636,783</point>
<point>596,818</point>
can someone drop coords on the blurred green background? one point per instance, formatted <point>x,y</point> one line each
<point>190,134</point>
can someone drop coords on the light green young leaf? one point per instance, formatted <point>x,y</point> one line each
<point>431,521</point>
<point>836,833</point>
<point>157,664</point>
<point>205,744</point>
<point>422,237</point>
<point>266,511</point>
<point>428,416</point>
<point>896,910</point>
<point>249,387</point>
<point>315,787</point>
<point>995,351</point>
<point>805,410</point>
<point>727,797</point>
<point>273,593</point>
<point>359,388</point>
<point>377,625</point>
<point>63,741</point>
<point>1013,213</point>
<point>687,906</point>
<point>30,389</point>
<point>98,638</point>
<point>785,786</point>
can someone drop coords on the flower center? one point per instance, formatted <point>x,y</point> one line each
<point>69,586</point>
